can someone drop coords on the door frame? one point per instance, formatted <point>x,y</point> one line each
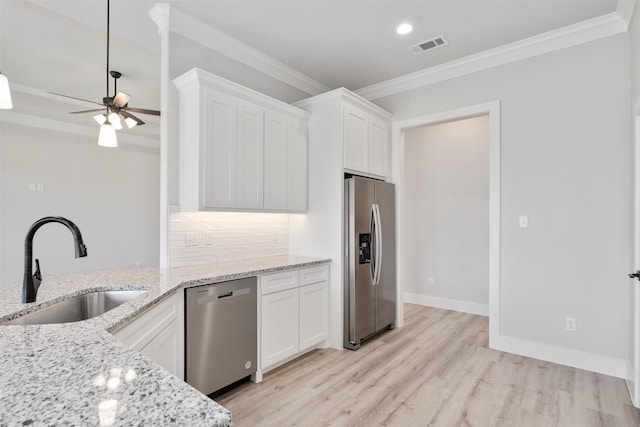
<point>397,146</point>
<point>633,364</point>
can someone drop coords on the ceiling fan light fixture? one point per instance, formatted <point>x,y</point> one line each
<point>130,122</point>
<point>5,93</point>
<point>114,118</point>
<point>107,137</point>
<point>100,118</point>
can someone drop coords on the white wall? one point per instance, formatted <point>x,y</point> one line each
<point>446,197</point>
<point>565,163</point>
<point>634,37</point>
<point>111,194</point>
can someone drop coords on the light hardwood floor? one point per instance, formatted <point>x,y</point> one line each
<point>437,370</point>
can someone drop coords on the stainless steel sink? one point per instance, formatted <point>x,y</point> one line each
<point>80,307</point>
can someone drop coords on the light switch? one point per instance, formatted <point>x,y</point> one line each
<point>523,220</point>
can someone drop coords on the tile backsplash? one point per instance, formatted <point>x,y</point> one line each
<point>205,237</point>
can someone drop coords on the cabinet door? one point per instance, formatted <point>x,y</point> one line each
<point>158,333</point>
<point>164,347</point>
<point>275,161</point>
<point>378,148</point>
<point>250,155</point>
<point>355,137</point>
<point>314,300</point>
<point>297,167</point>
<point>279,326</point>
<point>218,150</point>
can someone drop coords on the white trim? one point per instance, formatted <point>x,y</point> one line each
<point>606,365</point>
<point>397,142</point>
<point>572,35</point>
<point>13,117</point>
<point>160,15</point>
<point>186,25</point>
<point>625,10</point>
<point>345,95</point>
<point>447,304</point>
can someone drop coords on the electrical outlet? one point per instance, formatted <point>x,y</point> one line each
<point>432,282</point>
<point>570,324</point>
<point>523,221</point>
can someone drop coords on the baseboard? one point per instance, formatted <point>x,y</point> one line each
<point>447,303</point>
<point>635,399</point>
<point>599,363</point>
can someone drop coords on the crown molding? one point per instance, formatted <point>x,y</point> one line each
<point>345,95</point>
<point>28,120</point>
<point>569,36</point>
<point>167,16</point>
<point>625,10</point>
<point>160,15</point>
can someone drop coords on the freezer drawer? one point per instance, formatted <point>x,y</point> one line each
<point>221,333</point>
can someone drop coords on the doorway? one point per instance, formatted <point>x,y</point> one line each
<point>399,131</point>
<point>446,193</point>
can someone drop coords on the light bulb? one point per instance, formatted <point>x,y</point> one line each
<point>404,29</point>
<point>107,137</point>
<point>5,93</point>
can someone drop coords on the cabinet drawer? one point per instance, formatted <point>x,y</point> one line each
<point>314,275</point>
<point>276,282</point>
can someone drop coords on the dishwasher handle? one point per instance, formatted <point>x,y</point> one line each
<point>223,295</point>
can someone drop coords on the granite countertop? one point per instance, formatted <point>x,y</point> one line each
<point>79,374</point>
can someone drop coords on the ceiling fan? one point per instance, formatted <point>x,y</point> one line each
<point>115,107</point>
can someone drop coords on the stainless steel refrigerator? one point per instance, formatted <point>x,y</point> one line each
<point>370,259</point>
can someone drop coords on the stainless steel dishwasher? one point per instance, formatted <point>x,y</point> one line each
<point>221,333</point>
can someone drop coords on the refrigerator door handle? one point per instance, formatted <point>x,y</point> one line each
<point>373,244</point>
<point>378,237</point>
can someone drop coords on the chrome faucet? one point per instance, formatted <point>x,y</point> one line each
<point>31,282</point>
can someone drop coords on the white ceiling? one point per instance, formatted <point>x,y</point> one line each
<point>349,43</point>
<point>59,45</point>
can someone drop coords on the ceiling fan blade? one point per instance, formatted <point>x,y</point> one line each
<point>73,97</point>
<point>144,111</point>
<point>87,111</point>
<point>128,115</point>
<point>121,99</point>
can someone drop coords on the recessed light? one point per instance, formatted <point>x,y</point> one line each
<point>404,28</point>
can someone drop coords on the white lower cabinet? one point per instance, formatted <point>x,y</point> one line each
<point>294,307</point>
<point>158,333</point>
<point>313,316</point>
<point>279,326</point>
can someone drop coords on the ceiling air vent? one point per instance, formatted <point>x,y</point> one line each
<point>428,45</point>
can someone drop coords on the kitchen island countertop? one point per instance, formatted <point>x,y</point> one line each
<point>79,374</point>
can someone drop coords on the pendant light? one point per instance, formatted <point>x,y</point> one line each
<point>107,136</point>
<point>5,93</point>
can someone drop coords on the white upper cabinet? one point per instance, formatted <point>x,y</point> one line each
<point>378,148</point>
<point>355,136</point>
<point>366,142</point>
<point>239,149</point>
<point>361,127</point>
<point>218,151</point>
<point>250,161</point>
